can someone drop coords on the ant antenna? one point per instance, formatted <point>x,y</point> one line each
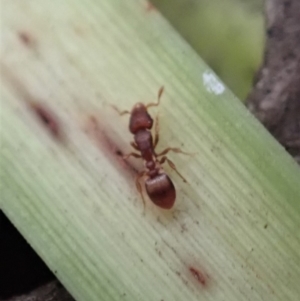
<point>155,104</point>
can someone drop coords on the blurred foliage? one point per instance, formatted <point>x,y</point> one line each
<point>228,34</point>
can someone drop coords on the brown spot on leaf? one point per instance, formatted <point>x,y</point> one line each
<point>150,6</point>
<point>26,39</point>
<point>198,275</point>
<point>47,118</point>
<point>79,30</point>
<point>119,153</point>
<point>108,144</point>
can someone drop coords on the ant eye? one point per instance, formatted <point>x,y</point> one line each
<point>150,123</point>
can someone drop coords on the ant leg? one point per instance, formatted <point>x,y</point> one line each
<point>133,144</point>
<point>132,155</point>
<point>172,165</point>
<point>175,150</point>
<point>121,113</point>
<point>139,187</point>
<point>156,132</point>
<point>155,104</point>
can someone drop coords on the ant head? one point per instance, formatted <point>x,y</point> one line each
<point>140,119</point>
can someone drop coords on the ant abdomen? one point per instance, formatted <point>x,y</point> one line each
<point>161,191</point>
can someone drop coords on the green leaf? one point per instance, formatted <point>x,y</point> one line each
<point>72,196</point>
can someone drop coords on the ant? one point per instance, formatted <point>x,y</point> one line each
<point>158,184</point>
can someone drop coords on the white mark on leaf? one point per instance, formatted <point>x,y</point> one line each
<point>212,84</point>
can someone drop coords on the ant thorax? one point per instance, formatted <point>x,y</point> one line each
<point>153,168</point>
<point>153,173</point>
<point>143,140</point>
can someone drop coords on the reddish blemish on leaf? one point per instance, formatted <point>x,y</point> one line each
<point>119,153</point>
<point>26,39</point>
<point>47,118</point>
<point>150,7</point>
<point>79,30</point>
<point>107,144</point>
<point>199,276</point>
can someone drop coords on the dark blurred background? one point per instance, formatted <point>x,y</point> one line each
<point>227,34</point>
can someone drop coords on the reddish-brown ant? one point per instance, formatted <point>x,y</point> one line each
<point>159,186</point>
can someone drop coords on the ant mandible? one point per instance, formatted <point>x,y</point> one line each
<point>158,184</point>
